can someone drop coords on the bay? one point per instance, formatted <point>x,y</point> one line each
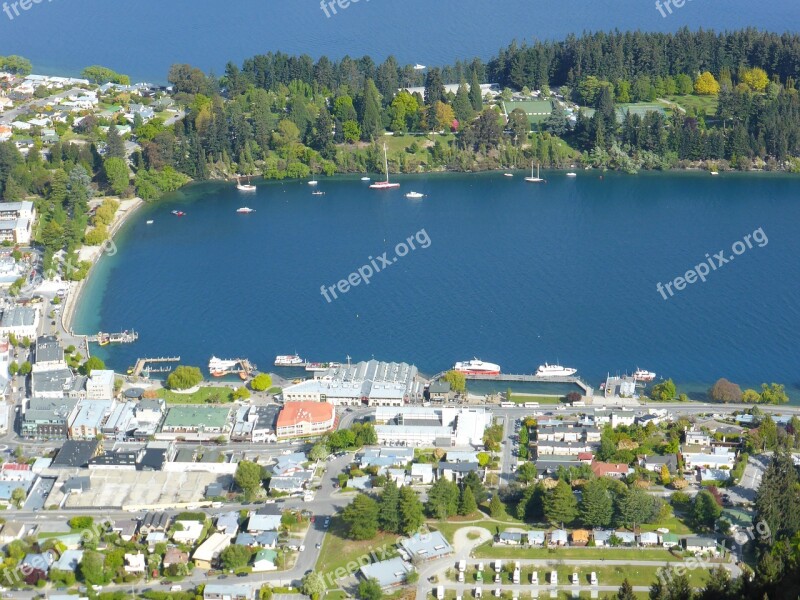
<point>515,273</point>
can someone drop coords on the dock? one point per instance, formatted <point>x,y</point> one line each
<point>123,337</point>
<point>142,365</point>
<point>587,389</point>
<point>244,369</point>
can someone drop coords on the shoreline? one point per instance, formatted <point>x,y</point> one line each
<point>75,288</point>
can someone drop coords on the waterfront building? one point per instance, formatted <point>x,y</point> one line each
<point>195,422</point>
<point>89,419</point>
<point>255,424</point>
<point>299,419</point>
<point>373,382</point>
<point>425,426</point>
<point>48,355</point>
<point>100,385</point>
<point>56,384</point>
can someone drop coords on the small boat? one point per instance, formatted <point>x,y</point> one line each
<point>317,193</point>
<point>715,172</point>
<point>313,182</point>
<point>419,67</point>
<point>219,367</point>
<point>414,195</point>
<point>571,174</point>
<point>365,178</point>
<point>385,185</point>
<point>244,187</point>
<point>642,375</point>
<point>547,370</point>
<point>533,179</point>
<point>477,367</point>
<point>150,222</point>
<point>178,213</point>
<point>245,210</point>
<point>508,174</point>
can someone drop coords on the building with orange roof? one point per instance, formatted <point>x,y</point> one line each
<point>299,419</point>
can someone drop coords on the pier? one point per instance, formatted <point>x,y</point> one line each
<point>124,337</point>
<point>141,365</point>
<point>587,389</point>
<point>244,369</point>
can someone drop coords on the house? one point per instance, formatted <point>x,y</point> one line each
<point>457,456</point>
<point>363,482</point>
<point>68,561</point>
<point>207,553</point>
<point>626,538</point>
<point>697,437</point>
<point>36,566</point>
<point>239,591</point>
<point>670,540</point>
<point>536,538</point>
<point>439,391</point>
<point>228,523</point>
<point>135,563</point>
<point>510,538</point>
<point>697,456</point>
<point>558,537</point>
<point>12,531</point>
<point>580,537</point>
<point>425,547</point>
<point>155,521</point>
<point>188,532</point>
<point>648,538</point>
<point>714,475</point>
<point>457,471</point>
<point>266,539</point>
<point>604,469</point>
<point>655,463</point>
<point>265,560</point>
<point>389,573</point>
<point>126,529</point>
<point>700,545</point>
<point>175,556</point>
<point>259,523</point>
<point>421,474</point>
<point>602,537</point>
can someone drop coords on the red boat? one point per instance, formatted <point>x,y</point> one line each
<point>178,213</point>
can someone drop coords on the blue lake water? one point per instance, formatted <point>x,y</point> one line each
<point>144,37</point>
<point>515,273</point>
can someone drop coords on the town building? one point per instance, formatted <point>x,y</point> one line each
<point>230,591</point>
<point>48,355</point>
<point>255,424</point>
<point>89,419</point>
<point>432,426</point>
<point>371,382</point>
<point>420,548</point>
<point>207,553</point>
<point>21,321</point>
<point>100,385</point>
<point>48,418</point>
<point>300,419</point>
<point>196,422</point>
<point>388,573</point>
<point>16,225</point>
<point>75,454</point>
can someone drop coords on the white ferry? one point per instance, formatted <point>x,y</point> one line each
<point>547,370</point>
<point>287,360</point>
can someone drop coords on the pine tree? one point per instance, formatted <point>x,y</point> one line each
<point>361,518</point>
<point>434,88</point>
<point>560,505</point>
<point>442,499</point>
<point>115,147</point>
<point>777,502</point>
<point>468,504</point>
<point>597,508</point>
<point>411,514</point>
<point>371,119</point>
<point>496,507</point>
<point>475,92</point>
<point>462,105</point>
<point>389,517</point>
<point>625,591</point>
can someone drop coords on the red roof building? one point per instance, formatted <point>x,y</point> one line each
<point>604,469</point>
<point>299,419</point>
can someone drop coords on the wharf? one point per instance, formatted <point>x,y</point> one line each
<point>587,389</point>
<point>141,365</point>
<point>124,337</point>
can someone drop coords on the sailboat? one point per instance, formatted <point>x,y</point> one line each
<point>385,185</point>
<point>244,187</point>
<point>533,179</point>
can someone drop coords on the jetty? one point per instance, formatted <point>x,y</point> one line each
<point>243,368</point>
<point>123,337</point>
<point>587,389</point>
<point>142,365</point>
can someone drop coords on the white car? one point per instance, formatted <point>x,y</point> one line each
<point>593,578</point>
<point>575,579</point>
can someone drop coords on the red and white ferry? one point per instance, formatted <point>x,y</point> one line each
<point>477,367</point>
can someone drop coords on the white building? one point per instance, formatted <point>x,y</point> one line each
<point>423,426</point>
<point>22,321</point>
<point>372,382</point>
<point>100,385</point>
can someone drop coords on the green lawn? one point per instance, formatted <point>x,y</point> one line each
<point>205,395</point>
<point>488,551</point>
<point>523,398</point>
<point>337,551</point>
<point>673,523</point>
<point>708,104</point>
<point>448,529</point>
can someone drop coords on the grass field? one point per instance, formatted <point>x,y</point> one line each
<point>673,523</point>
<point>337,552</point>
<point>708,104</point>
<point>205,395</point>
<point>523,398</point>
<point>511,552</point>
<point>448,529</point>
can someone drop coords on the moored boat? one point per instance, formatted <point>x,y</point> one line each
<point>477,367</point>
<point>244,187</point>
<point>643,375</point>
<point>322,366</point>
<point>547,370</point>
<point>219,367</point>
<point>385,185</point>
<point>414,195</point>
<point>245,210</point>
<point>288,360</point>
<point>178,213</point>
<point>533,179</point>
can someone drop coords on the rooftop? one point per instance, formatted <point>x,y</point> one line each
<point>74,453</point>
<point>308,412</point>
<point>186,417</point>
